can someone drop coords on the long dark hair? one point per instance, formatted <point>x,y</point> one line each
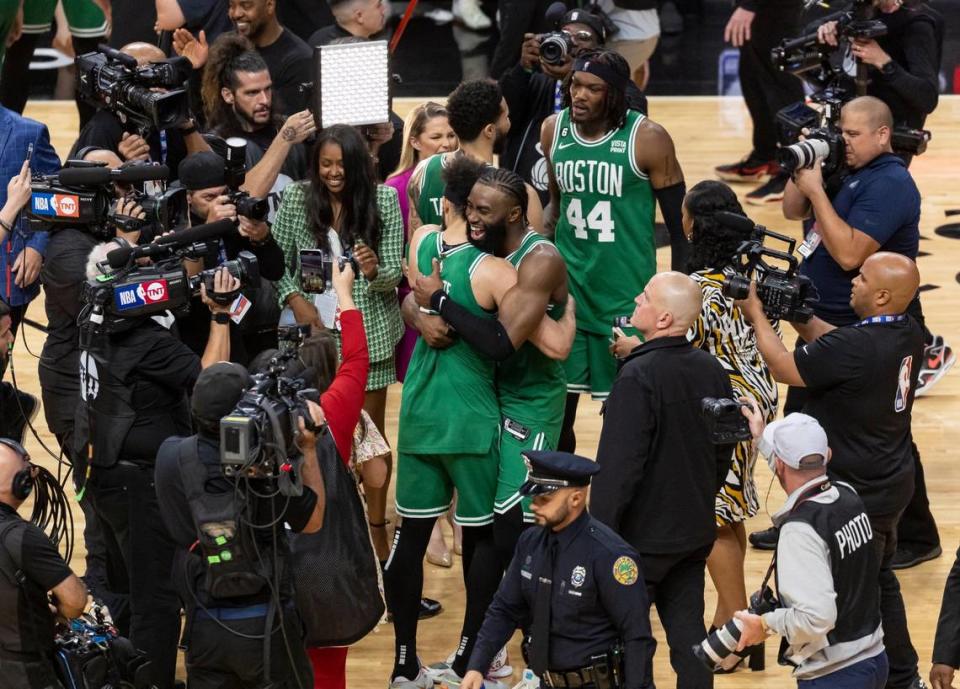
<point>615,102</point>
<point>229,54</point>
<point>713,244</point>
<point>361,215</point>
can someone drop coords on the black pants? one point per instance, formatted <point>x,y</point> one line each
<point>675,585</point>
<point>16,674</point>
<point>139,562</point>
<point>896,637</point>
<point>917,529</point>
<point>766,89</point>
<point>218,659</point>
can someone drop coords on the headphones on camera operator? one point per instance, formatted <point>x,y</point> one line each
<point>23,480</point>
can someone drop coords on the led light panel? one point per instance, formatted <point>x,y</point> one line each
<point>354,81</point>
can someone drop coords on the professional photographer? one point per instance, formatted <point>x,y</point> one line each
<point>238,100</point>
<point>829,607</point>
<point>533,89</point>
<point>168,146</point>
<point>30,569</point>
<point>203,176</point>
<point>861,379</point>
<point>134,381</point>
<point>661,468</point>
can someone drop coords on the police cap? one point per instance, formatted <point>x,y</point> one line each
<point>549,471</point>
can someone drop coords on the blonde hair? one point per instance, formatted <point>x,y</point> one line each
<point>413,127</point>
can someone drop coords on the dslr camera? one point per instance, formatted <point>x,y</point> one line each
<point>786,295</point>
<point>724,420</point>
<point>235,172</point>
<point>257,439</point>
<point>107,78</point>
<point>717,651</point>
<point>555,47</point>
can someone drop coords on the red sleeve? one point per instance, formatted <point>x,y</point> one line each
<point>343,400</point>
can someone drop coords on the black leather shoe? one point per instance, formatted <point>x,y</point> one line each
<point>429,608</point>
<point>907,557</point>
<point>766,539</point>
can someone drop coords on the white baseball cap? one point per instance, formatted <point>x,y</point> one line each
<point>793,438</point>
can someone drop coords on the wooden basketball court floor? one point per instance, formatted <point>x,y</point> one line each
<point>707,131</point>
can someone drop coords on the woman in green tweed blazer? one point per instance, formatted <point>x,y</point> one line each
<point>341,204</point>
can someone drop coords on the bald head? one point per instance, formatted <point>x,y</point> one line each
<point>887,283</point>
<point>876,113</point>
<point>668,306</point>
<point>143,52</point>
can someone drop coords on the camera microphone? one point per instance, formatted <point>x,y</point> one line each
<point>555,13</point>
<point>738,222</point>
<point>118,258</point>
<point>94,176</point>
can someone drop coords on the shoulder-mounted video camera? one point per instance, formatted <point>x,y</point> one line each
<point>257,439</point>
<point>786,295</point>
<point>129,290</point>
<point>144,98</point>
<point>83,195</point>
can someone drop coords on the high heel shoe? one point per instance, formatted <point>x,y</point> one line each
<point>756,660</point>
<point>437,551</point>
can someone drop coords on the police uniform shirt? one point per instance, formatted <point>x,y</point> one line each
<point>43,569</point>
<point>861,382</point>
<point>806,588</point>
<point>598,599</point>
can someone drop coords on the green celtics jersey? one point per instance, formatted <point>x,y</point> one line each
<point>605,228</point>
<point>531,385</point>
<point>430,201</point>
<point>449,402</point>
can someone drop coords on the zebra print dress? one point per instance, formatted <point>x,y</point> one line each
<point>724,332</point>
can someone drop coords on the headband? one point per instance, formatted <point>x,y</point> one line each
<point>598,69</point>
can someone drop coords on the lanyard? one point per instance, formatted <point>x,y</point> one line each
<point>881,319</point>
<point>558,97</point>
<point>163,147</point>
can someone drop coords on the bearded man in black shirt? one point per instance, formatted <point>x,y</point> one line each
<point>861,380</point>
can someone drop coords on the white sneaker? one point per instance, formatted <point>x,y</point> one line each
<point>451,680</point>
<point>500,668</point>
<point>469,12</point>
<point>421,681</point>
<point>436,670</point>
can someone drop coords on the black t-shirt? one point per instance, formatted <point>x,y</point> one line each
<point>132,20</point>
<point>304,16</point>
<point>289,60</point>
<point>206,15</point>
<point>861,382</point>
<point>177,518</point>
<point>104,130</point>
<point>62,275</point>
<point>43,569</point>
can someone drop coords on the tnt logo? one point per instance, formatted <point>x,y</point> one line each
<point>140,294</point>
<point>903,384</point>
<point>55,205</point>
<point>67,206</point>
<point>154,292</point>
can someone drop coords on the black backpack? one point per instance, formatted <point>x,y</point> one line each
<point>335,571</point>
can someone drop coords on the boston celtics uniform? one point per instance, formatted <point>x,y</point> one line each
<point>430,201</point>
<point>605,234</point>
<point>449,416</point>
<point>532,391</point>
<point>84,18</point>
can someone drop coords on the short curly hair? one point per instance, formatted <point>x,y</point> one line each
<point>472,106</point>
<point>713,245</point>
<point>459,176</point>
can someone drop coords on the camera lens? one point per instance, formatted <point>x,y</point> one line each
<point>802,154</point>
<point>553,50</point>
<point>716,651</point>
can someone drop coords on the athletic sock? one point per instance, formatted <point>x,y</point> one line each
<point>403,580</point>
<point>483,578</point>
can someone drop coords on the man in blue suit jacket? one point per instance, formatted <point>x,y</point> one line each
<point>22,250</point>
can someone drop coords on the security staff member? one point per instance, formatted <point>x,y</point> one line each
<point>825,565</point>
<point>30,567</point>
<point>574,584</point>
<point>860,380</point>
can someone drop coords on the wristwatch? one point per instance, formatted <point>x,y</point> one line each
<point>220,317</point>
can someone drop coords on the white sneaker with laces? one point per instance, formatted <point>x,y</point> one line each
<point>469,12</point>
<point>421,681</point>
<point>500,668</point>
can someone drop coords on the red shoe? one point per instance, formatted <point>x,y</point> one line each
<point>748,170</point>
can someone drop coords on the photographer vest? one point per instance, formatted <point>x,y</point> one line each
<point>38,628</point>
<point>845,527</point>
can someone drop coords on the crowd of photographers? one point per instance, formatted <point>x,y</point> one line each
<point>225,292</point>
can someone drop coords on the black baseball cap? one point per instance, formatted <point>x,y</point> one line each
<point>218,389</point>
<point>585,17</point>
<point>201,170</point>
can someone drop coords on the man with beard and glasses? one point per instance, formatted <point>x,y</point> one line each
<point>480,117</point>
<point>456,448</point>
<point>607,166</point>
<point>531,385</point>
<point>239,102</point>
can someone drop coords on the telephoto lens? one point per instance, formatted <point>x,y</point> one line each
<point>717,650</point>
<point>802,154</point>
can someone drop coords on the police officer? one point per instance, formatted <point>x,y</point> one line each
<point>826,566</point>
<point>574,585</point>
<point>30,567</point>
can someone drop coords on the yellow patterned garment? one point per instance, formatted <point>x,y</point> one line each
<point>724,332</point>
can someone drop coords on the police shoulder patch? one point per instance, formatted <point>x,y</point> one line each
<point>625,570</point>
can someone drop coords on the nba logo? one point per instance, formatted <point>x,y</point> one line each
<point>903,384</point>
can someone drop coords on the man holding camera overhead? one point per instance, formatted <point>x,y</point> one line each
<point>661,468</point>
<point>860,380</point>
<point>134,382</point>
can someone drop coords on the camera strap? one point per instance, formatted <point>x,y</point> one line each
<point>809,493</point>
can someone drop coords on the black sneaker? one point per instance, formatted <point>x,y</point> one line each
<point>770,192</point>
<point>429,608</point>
<point>906,557</point>
<point>766,539</point>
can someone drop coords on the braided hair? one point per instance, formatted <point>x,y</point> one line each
<point>615,102</point>
<point>713,244</point>
<point>508,182</point>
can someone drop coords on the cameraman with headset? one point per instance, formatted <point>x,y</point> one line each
<point>134,382</point>
<point>829,606</point>
<point>227,643</point>
<point>30,567</point>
